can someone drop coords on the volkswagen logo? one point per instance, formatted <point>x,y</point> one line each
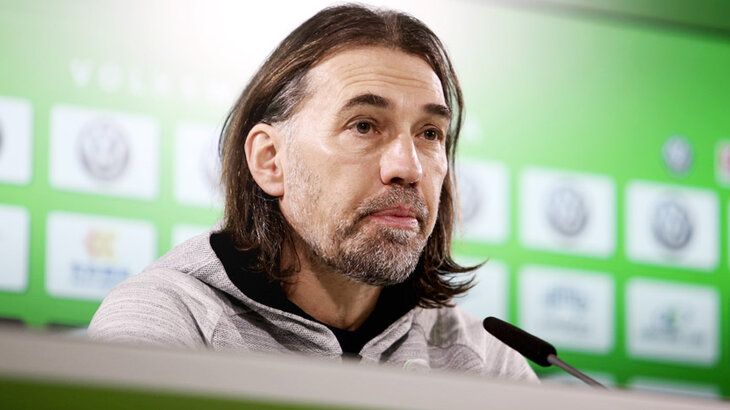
<point>566,211</point>
<point>678,155</point>
<point>103,149</point>
<point>469,197</point>
<point>671,225</point>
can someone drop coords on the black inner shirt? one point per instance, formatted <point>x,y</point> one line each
<point>394,301</point>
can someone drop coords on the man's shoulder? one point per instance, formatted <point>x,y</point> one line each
<point>172,294</point>
<point>193,257</point>
<point>155,281</point>
<point>183,272</point>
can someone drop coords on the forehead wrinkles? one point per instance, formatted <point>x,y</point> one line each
<point>338,74</point>
<point>367,76</point>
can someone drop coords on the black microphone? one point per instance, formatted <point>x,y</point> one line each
<point>532,347</point>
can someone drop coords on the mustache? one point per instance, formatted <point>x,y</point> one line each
<point>398,195</point>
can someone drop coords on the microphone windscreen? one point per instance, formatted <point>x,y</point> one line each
<point>530,346</point>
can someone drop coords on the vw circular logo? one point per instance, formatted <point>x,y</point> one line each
<point>567,211</point>
<point>469,197</point>
<point>678,155</point>
<point>671,225</point>
<point>103,149</point>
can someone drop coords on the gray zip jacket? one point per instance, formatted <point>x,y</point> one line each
<point>183,299</point>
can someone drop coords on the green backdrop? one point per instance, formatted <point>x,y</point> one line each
<point>547,87</point>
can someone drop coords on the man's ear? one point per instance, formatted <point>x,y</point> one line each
<point>263,157</point>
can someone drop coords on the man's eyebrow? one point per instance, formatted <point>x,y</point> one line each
<point>367,99</point>
<point>438,109</point>
<point>375,100</point>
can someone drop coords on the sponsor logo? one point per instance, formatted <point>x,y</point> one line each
<point>678,155</point>
<point>88,255</point>
<point>104,152</point>
<point>197,185</point>
<point>103,149</point>
<point>566,211</point>
<point>571,308</point>
<point>470,196</point>
<point>671,225</point>
<point>668,323</point>
<point>113,78</point>
<point>672,322</point>
<point>567,309</point>
<point>16,140</point>
<point>99,268</point>
<point>484,200</point>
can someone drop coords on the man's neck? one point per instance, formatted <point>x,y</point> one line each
<point>330,297</point>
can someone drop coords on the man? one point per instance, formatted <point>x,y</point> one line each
<point>339,210</point>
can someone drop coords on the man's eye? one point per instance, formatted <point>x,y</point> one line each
<point>363,127</point>
<point>431,135</point>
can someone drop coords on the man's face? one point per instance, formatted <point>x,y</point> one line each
<point>364,163</point>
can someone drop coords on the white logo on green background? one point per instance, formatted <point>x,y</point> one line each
<point>678,155</point>
<point>672,225</point>
<point>196,165</point>
<point>87,255</point>
<point>567,212</point>
<point>104,152</point>
<point>471,197</point>
<point>484,200</point>
<point>571,308</point>
<point>103,149</point>
<point>16,140</point>
<point>674,322</point>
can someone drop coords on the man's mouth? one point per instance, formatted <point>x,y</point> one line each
<point>397,217</point>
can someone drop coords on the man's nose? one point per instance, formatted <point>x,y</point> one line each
<point>400,163</point>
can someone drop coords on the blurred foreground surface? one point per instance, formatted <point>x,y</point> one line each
<point>41,371</point>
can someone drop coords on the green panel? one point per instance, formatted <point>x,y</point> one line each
<point>545,86</point>
<point>44,78</point>
<point>600,97</point>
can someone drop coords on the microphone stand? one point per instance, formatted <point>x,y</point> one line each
<point>555,361</point>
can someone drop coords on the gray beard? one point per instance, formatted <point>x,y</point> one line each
<point>386,258</point>
<point>385,261</point>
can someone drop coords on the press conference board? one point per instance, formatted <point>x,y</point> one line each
<point>593,167</point>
